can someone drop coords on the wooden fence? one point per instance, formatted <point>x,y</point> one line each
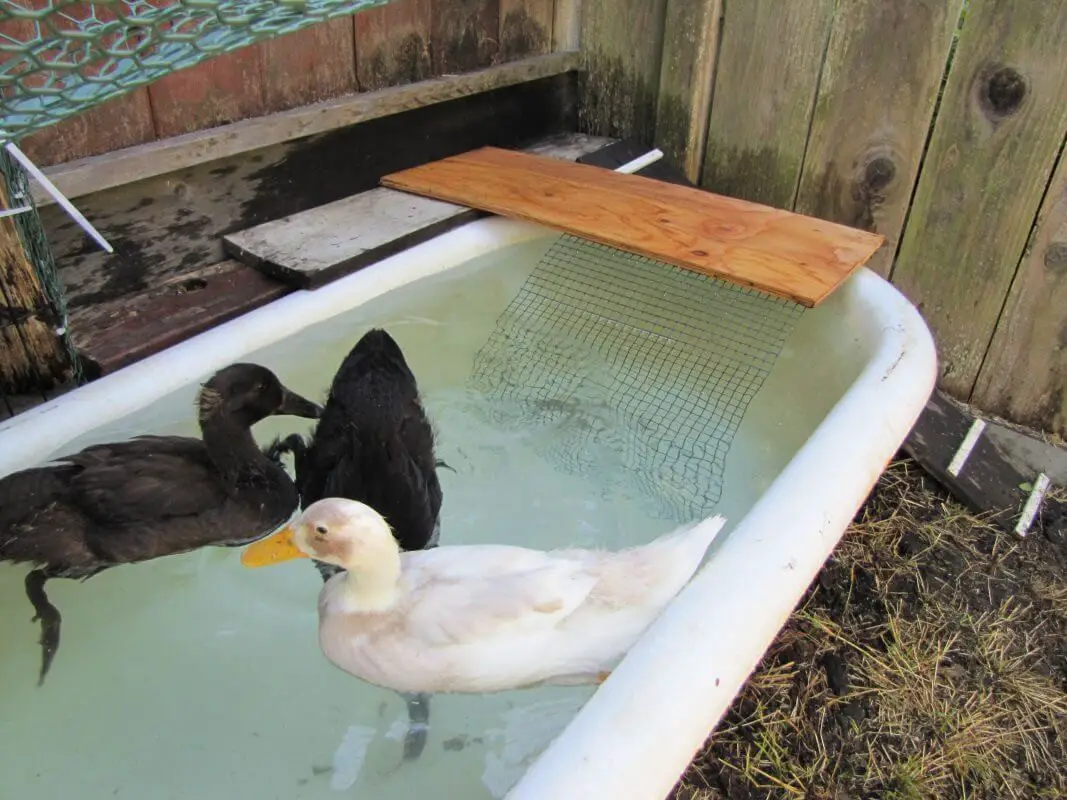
<point>938,123</point>
<point>403,42</point>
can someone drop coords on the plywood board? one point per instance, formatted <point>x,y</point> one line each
<point>785,254</point>
<point>321,244</point>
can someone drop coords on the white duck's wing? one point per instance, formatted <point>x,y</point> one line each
<point>462,596</point>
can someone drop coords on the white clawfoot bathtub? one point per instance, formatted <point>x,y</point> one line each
<point>870,361</point>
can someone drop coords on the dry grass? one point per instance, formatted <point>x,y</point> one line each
<point>929,660</point>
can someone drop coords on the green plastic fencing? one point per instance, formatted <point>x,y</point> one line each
<point>61,57</point>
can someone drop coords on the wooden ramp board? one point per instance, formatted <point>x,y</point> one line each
<point>793,256</point>
<point>314,247</point>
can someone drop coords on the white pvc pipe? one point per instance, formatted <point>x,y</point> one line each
<point>639,163</point>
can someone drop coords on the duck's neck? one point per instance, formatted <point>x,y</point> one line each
<point>372,590</point>
<point>232,449</point>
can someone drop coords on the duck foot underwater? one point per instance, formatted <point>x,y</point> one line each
<point>49,617</point>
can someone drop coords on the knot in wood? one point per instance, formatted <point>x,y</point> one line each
<point>1002,92</point>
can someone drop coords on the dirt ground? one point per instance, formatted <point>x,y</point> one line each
<point>928,660</point>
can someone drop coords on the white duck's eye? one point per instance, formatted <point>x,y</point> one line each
<point>321,530</point>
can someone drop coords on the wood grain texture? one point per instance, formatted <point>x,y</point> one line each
<point>875,103</point>
<point>690,44</point>
<point>621,45</point>
<point>318,245</point>
<point>113,334</point>
<point>32,356</point>
<point>122,122</point>
<point>1024,375</point>
<point>566,25</point>
<point>223,89</point>
<point>393,44</point>
<point>525,28</point>
<point>310,65</point>
<point>763,97</point>
<point>464,35</point>
<point>779,252</point>
<point>990,157</point>
<point>153,159</point>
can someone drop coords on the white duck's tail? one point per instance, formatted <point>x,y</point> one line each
<point>657,571</point>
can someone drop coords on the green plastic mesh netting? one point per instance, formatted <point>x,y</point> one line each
<point>61,57</point>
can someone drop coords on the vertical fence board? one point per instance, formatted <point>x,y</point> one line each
<point>690,43</point>
<point>305,67</point>
<point>769,62</point>
<point>525,28</point>
<point>876,98</point>
<point>393,44</point>
<point>1024,375</point>
<point>622,44</point>
<point>464,35</point>
<point>1000,126</point>
<point>222,89</point>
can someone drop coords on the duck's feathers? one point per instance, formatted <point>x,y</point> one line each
<point>107,504</point>
<point>374,443</point>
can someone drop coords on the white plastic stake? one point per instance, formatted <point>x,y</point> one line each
<point>49,187</point>
<point>651,157</point>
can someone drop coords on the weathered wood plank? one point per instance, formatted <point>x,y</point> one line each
<point>145,161</point>
<point>690,44</point>
<point>113,334</point>
<point>990,474</point>
<point>875,103</point>
<point>566,25</point>
<point>171,224</point>
<point>220,90</point>
<point>525,28</point>
<point>993,148</point>
<point>779,252</point>
<point>308,66</point>
<point>765,83</point>
<point>32,356</point>
<point>393,44</point>
<point>1024,375</point>
<point>321,244</point>
<point>621,45</point>
<point>464,35</point>
<point>122,122</point>
<point>316,246</point>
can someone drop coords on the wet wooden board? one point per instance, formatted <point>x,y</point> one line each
<point>321,244</point>
<point>113,334</point>
<point>785,254</point>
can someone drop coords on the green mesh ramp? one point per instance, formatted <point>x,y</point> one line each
<point>59,57</point>
<point>634,363</point>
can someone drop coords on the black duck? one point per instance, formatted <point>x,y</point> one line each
<point>151,496</point>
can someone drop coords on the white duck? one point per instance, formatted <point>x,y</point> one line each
<point>478,618</point>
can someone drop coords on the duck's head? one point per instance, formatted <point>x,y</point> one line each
<point>247,393</point>
<point>347,533</point>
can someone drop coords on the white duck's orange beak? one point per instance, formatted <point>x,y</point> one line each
<point>274,549</point>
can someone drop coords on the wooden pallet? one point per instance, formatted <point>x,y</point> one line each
<point>793,256</point>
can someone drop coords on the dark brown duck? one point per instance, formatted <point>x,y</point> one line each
<point>151,496</point>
